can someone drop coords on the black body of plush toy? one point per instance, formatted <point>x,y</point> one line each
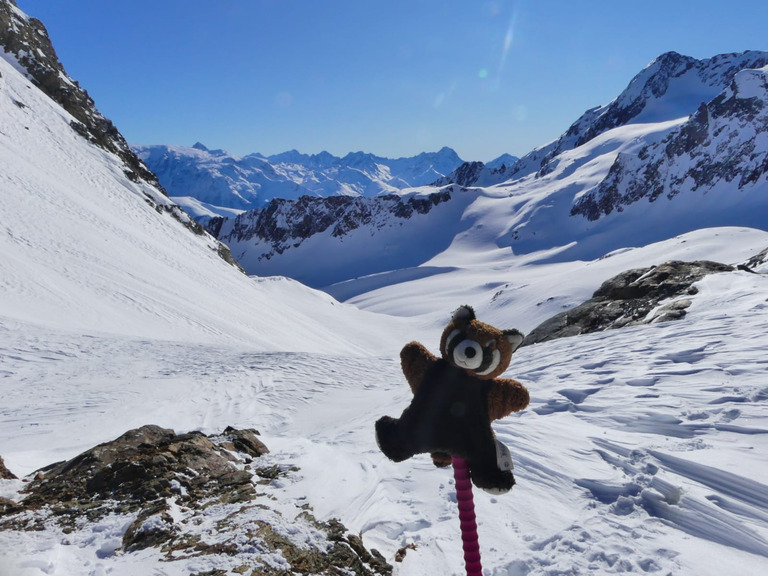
<point>455,399</point>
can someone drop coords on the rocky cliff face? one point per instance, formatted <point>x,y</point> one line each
<point>721,148</point>
<point>285,224</point>
<point>26,40</point>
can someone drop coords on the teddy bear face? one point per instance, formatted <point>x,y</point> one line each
<point>478,348</point>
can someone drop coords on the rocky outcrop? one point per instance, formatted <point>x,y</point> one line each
<point>465,175</point>
<point>5,474</point>
<point>756,262</point>
<point>284,224</point>
<point>191,495</point>
<point>479,174</point>
<point>638,296</point>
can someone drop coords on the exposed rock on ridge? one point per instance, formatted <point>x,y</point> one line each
<point>5,474</point>
<point>287,223</point>
<point>25,43</point>
<point>28,41</point>
<point>629,299</point>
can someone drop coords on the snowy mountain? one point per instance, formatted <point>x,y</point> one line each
<point>379,234</point>
<point>720,153</point>
<point>543,205</point>
<point>211,182</point>
<point>671,87</point>
<point>92,244</point>
<point>642,450</point>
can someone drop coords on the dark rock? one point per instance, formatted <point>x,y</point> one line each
<point>5,474</point>
<point>756,260</point>
<point>173,484</point>
<point>245,441</point>
<point>284,224</point>
<point>628,298</point>
<point>465,175</point>
<point>8,506</point>
<point>139,467</point>
<point>152,528</point>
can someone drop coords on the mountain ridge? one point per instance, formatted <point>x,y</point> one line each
<point>220,182</point>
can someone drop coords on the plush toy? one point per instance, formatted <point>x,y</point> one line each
<point>455,399</point>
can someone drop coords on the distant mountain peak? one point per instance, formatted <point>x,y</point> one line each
<point>217,182</point>
<point>671,87</point>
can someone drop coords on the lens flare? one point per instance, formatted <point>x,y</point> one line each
<point>509,38</point>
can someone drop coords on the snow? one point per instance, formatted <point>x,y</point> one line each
<point>751,83</point>
<point>81,249</point>
<point>642,449</point>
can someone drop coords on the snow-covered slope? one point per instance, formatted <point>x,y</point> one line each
<point>221,181</point>
<point>642,450</point>
<point>86,249</point>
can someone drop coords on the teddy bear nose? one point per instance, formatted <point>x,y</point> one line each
<point>470,352</point>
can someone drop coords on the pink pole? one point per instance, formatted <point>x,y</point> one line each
<point>467,517</point>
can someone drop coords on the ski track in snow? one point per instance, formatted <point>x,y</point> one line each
<point>642,450</point>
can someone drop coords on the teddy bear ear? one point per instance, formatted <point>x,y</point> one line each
<point>463,314</point>
<point>514,337</point>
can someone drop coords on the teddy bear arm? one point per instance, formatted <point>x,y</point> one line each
<point>506,396</point>
<point>415,360</point>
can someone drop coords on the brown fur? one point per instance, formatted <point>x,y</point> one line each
<point>505,395</point>
<point>415,360</point>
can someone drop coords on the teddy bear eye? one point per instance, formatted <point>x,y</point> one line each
<point>468,354</point>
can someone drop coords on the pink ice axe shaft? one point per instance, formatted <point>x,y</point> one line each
<point>467,517</point>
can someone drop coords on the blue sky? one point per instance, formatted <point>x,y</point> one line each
<point>389,77</point>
